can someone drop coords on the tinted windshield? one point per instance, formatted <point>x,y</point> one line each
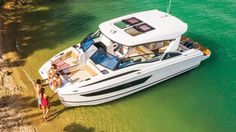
<point>105,59</point>
<point>87,42</point>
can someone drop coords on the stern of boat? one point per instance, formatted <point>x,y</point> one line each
<point>189,43</point>
<point>206,53</point>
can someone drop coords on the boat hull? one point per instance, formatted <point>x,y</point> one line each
<point>151,76</point>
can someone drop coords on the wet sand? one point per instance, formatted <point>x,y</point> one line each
<point>18,104</point>
<point>14,94</point>
<point>12,112</point>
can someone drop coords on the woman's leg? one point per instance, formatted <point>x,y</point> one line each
<point>46,112</point>
<point>39,106</point>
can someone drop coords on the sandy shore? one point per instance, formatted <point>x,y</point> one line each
<point>13,95</point>
<point>18,104</point>
<point>12,109</point>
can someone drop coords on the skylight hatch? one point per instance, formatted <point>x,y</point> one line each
<point>134,26</point>
<point>139,29</point>
<point>131,21</point>
<point>144,27</point>
<point>127,22</point>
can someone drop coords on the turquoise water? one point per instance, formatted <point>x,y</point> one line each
<point>202,100</point>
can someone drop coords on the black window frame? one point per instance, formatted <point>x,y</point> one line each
<point>126,21</point>
<point>141,30</point>
<point>154,59</point>
<point>97,34</point>
<point>168,53</point>
<point>138,29</point>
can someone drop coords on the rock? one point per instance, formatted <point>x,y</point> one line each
<point>8,73</point>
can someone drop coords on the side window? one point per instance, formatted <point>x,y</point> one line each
<point>132,60</point>
<point>170,55</point>
<point>96,34</point>
<point>126,62</point>
<point>156,57</point>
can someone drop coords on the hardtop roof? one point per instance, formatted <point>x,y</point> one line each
<point>166,27</point>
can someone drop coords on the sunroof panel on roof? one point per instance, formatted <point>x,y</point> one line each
<point>133,26</point>
<point>121,25</point>
<point>132,31</point>
<point>127,22</point>
<point>139,29</point>
<point>132,21</point>
<point>144,27</point>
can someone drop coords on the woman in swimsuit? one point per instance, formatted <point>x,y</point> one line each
<point>45,103</point>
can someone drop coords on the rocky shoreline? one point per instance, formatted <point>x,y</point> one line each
<point>12,113</point>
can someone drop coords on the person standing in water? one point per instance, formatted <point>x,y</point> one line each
<point>45,103</point>
<point>38,86</point>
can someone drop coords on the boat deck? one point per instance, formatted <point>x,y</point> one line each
<point>187,43</point>
<point>67,59</point>
<point>81,72</point>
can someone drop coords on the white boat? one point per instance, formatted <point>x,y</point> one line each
<point>126,55</point>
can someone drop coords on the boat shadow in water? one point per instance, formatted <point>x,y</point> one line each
<point>56,109</point>
<point>58,112</point>
<point>55,103</point>
<point>74,127</point>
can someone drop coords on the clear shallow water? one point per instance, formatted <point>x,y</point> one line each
<point>200,100</point>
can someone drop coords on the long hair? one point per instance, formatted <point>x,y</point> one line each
<point>38,81</point>
<point>54,65</point>
<point>42,90</point>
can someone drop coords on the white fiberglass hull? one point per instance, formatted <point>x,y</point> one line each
<point>142,79</point>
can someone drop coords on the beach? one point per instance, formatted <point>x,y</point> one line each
<point>13,92</point>
<point>12,112</point>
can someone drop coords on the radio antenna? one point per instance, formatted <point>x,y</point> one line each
<point>168,8</point>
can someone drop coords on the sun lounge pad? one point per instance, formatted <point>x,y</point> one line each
<point>62,65</point>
